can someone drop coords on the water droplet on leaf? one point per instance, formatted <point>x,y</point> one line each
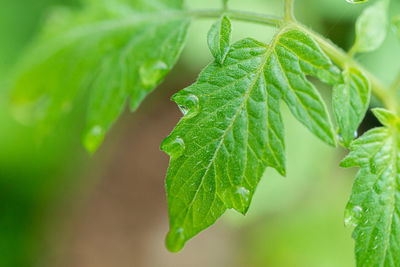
<point>353,216</point>
<point>173,146</point>
<point>188,104</point>
<point>244,193</point>
<point>93,138</point>
<point>356,1</point>
<point>355,134</point>
<point>151,72</point>
<point>175,240</point>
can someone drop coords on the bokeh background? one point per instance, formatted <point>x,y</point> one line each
<point>61,207</point>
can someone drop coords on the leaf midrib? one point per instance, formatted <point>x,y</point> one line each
<point>259,71</point>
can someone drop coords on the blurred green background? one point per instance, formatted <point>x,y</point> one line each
<point>61,207</point>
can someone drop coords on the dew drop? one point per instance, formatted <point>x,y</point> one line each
<point>353,216</point>
<point>188,104</point>
<point>175,240</point>
<point>356,1</point>
<point>355,134</point>
<point>151,72</point>
<point>183,109</point>
<point>93,138</point>
<point>173,146</point>
<point>243,192</point>
<point>30,112</point>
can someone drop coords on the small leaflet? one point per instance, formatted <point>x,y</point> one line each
<point>219,38</point>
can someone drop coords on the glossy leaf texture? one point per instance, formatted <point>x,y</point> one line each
<point>371,27</point>
<point>350,103</point>
<point>374,205</point>
<point>219,38</point>
<point>110,51</point>
<point>232,127</point>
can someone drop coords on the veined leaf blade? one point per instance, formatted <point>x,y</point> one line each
<point>374,205</point>
<point>232,129</point>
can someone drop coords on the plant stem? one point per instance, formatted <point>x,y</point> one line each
<point>338,55</point>
<point>238,15</point>
<point>289,7</point>
<point>394,88</point>
<point>225,4</point>
<point>341,58</point>
<point>396,84</point>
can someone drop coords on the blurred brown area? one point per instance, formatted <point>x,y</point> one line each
<point>120,217</point>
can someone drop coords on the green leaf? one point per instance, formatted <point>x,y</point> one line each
<point>350,103</point>
<point>385,116</point>
<point>371,27</point>
<point>109,51</point>
<point>232,127</point>
<point>374,205</point>
<point>396,23</point>
<point>219,38</point>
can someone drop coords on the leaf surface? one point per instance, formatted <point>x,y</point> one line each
<point>350,103</point>
<point>374,205</point>
<point>232,127</point>
<point>109,51</point>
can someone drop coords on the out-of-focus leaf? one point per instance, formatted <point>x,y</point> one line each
<point>371,27</point>
<point>396,23</point>
<point>109,51</point>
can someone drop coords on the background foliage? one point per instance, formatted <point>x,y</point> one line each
<point>298,228</point>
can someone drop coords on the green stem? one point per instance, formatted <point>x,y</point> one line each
<point>225,4</point>
<point>289,7</point>
<point>394,92</point>
<point>338,55</point>
<point>238,15</point>
<point>341,58</point>
<point>396,85</point>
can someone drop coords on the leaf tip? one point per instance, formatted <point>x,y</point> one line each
<point>175,240</point>
<point>93,138</point>
<point>385,116</point>
<point>346,163</point>
<point>282,170</point>
<point>332,141</point>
